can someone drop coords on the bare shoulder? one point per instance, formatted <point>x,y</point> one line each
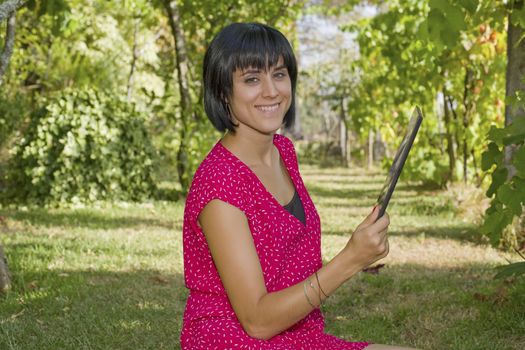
<point>219,213</point>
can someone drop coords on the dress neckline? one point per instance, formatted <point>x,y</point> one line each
<point>287,167</point>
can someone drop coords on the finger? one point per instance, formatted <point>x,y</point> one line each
<point>379,226</point>
<point>382,223</point>
<point>371,218</point>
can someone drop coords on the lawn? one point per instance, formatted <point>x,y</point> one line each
<point>111,276</point>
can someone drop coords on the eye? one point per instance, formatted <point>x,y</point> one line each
<point>251,80</point>
<point>280,75</point>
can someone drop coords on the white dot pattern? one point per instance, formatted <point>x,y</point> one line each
<point>288,251</point>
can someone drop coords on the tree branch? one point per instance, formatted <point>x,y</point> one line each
<point>5,56</point>
<point>10,6</point>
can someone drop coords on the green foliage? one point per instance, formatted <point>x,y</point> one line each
<point>82,146</point>
<point>426,52</point>
<point>127,47</point>
<point>12,110</point>
<point>508,195</point>
<point>515,269</point>
<point>425,164</point>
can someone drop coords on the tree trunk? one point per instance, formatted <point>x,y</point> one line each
<point>514,80</point>
<point>467,107</point>
<point>344,134</point>
<point>455,123</point>
<point>7,11</point>
<point>370,148</point>
<point>134,58</point>
<point>5,277</point>
<point>296,129</point>
<point>7,51</point>
<point>10,6</point>
<point>185,100</point>
<point>450,142</point>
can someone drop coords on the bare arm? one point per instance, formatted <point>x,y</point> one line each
<point>262,314</point>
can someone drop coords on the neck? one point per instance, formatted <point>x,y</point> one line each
<point>252,148</point>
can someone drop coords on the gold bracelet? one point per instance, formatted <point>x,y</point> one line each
<point>306,295</point>
<point>318,292</point>
<point>319,284</point>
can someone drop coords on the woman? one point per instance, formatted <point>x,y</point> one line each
<point>252,256</point>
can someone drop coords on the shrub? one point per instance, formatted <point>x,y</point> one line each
<point>81,147</point>
<point>12,110</point>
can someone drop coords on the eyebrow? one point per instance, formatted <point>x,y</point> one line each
<point>252,71</point>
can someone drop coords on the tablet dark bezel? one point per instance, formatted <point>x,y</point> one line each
<point>402,154</point>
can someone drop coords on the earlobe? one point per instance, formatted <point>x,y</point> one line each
<point>228,109</point>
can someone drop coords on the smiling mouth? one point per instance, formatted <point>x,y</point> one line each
<point>268,108</point>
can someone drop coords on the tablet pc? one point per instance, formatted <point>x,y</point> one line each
<point>399,161</point>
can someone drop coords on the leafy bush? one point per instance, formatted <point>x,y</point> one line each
<point>12,110</point>
<point>508,195</point>
<point>82,146</point>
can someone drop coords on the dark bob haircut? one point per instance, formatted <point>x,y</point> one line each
<point>242,46</point>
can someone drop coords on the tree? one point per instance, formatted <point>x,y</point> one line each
<point>515,77</point>
<point>7,11</point>
<point>185,103</point>
<point>506,149</point>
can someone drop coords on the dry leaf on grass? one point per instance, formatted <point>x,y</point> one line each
<point>480,297</point>
<point>159,279</point>
<point>496,298</point>
<point>373,270</point>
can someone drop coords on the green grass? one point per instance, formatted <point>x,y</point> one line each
<point>111,277</point>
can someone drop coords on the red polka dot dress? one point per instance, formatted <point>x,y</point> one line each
<point>289,251</point>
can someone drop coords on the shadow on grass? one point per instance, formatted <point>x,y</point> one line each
<point>314,171</point>
<point>403,201</point>
<point>460,308</point>
<point>410,304</point>
<point>83,218</point>
<point>321,191</point>
<point>93,310</point>
<point>467,233</point>
<point>345,181</point>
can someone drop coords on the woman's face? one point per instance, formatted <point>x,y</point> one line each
<point>260,99</point>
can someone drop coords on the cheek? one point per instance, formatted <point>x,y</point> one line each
<point>285,88</point>
<point>243,98</point>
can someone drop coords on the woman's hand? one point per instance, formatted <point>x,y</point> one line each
<point>369,242</point>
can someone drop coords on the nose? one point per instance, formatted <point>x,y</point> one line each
<point>269,88</point>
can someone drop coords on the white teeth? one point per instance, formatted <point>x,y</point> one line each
<point>271,108</point>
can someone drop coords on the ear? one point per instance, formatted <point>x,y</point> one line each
<point>224,99</point>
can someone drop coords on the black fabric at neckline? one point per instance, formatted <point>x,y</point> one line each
<point>295,207</point>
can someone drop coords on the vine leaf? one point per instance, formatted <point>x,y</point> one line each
<point>491,156</point>
<point>499,176</point>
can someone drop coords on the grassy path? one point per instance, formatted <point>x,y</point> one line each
<point>111,277</point>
